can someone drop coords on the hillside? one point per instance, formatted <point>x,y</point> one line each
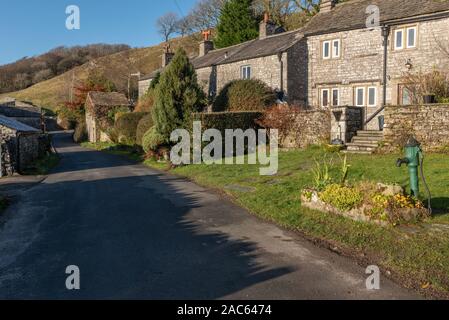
<point>27,71</point>
<point>52,93</point>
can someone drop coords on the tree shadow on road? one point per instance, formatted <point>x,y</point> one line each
<point>132,237</point>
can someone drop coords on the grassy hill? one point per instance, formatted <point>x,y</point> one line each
<point>52,93</point>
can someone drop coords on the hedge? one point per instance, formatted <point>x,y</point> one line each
<point>228,120</point>
<point>244,95</point>
<point>126,126</point>
<point>144,125</point>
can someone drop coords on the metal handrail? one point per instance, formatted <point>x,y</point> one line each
<point>375,114</point>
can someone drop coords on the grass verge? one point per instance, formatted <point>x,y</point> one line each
<point>415,255</point>
<point>43,165</point>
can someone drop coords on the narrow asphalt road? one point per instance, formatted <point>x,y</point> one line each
<point>138,233</point>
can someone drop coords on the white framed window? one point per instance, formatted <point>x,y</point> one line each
<point>245,72</point>
<point>335,97</point>
<point>360,96</point>
<point>411,37</point>
<point>325,97</point>
<point>372,96</point>
<point>326,50</point>
<point>399,39</point>
<point>336,48</point>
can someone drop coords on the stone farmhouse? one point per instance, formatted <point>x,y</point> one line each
<point>99,102</point>
<point>356,53</point>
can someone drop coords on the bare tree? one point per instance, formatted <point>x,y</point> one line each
<point>205,14</point>
<point>184,26</point>
<point>278,10</point>
<point>167,25</point>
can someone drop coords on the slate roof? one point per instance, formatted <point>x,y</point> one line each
<point>345,16</point>
<point>352,14</point>
<point>256,48</point>
<point>16,125</point>
<point>252,49</point>
<point>104,99</point>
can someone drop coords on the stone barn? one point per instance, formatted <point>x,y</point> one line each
<point>19,146</point>
<point>98,104</point>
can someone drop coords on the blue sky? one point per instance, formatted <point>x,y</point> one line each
<point>31,27</point>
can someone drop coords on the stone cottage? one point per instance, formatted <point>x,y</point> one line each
<point>360,51</point>
<point>97,105</point>
<point>274,58</point>
<point>19,145</point>
<point>357,53</point>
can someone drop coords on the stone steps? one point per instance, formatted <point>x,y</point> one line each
<point>365,142</point>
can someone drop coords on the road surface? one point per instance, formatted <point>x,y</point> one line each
<point>134,232</point>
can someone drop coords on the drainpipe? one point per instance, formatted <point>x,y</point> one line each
<point>281,74</point>
<point>385,34</point>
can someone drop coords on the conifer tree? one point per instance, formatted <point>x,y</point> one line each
<point>177,96</point>
<point>237,23</point>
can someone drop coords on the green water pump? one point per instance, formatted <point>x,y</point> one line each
<point>414,159</point>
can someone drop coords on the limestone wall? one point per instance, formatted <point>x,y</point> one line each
<point>429,124</point>
<point>310,127</point>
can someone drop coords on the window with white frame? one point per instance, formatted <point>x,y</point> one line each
<point>399,39</point>
<point>245,72</point>
<point>411,37</point>
<point>372,96</point>
<point>331,49</point>
<point>336,49</point>
<point>326,50</point>
<point>324,97</point>
<point>360,96</point>
<point>405,38</point>
<point>335,97</point>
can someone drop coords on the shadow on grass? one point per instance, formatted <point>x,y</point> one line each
<point>440,206</point>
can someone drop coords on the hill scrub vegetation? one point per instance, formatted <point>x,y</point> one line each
<point>29,71</point>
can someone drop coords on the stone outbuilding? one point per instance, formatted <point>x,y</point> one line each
<point>20,146</point>
<point>98,105</point>
<point>24,112</point>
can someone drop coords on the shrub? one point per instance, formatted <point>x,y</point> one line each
<point>244,95</point>
<point>80,134</point>
<point>126,126</point>
<point>432,83</point>
<point>280,117</point>
<point>146,102</point>
<point>178,95</point>
<point>342,197</point>
<point>152,140</point>
<point>144,125</point>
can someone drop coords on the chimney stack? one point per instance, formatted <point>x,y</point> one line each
<point>268,28</point>
<point>327,5</point>
<point>167,56</point>
<point>206,45</point>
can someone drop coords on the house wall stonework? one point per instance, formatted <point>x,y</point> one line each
<point>266,69</point>
<point>429,124</point>
<point>144,85</point>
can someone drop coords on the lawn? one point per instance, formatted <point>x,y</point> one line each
<point>418,256</point>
